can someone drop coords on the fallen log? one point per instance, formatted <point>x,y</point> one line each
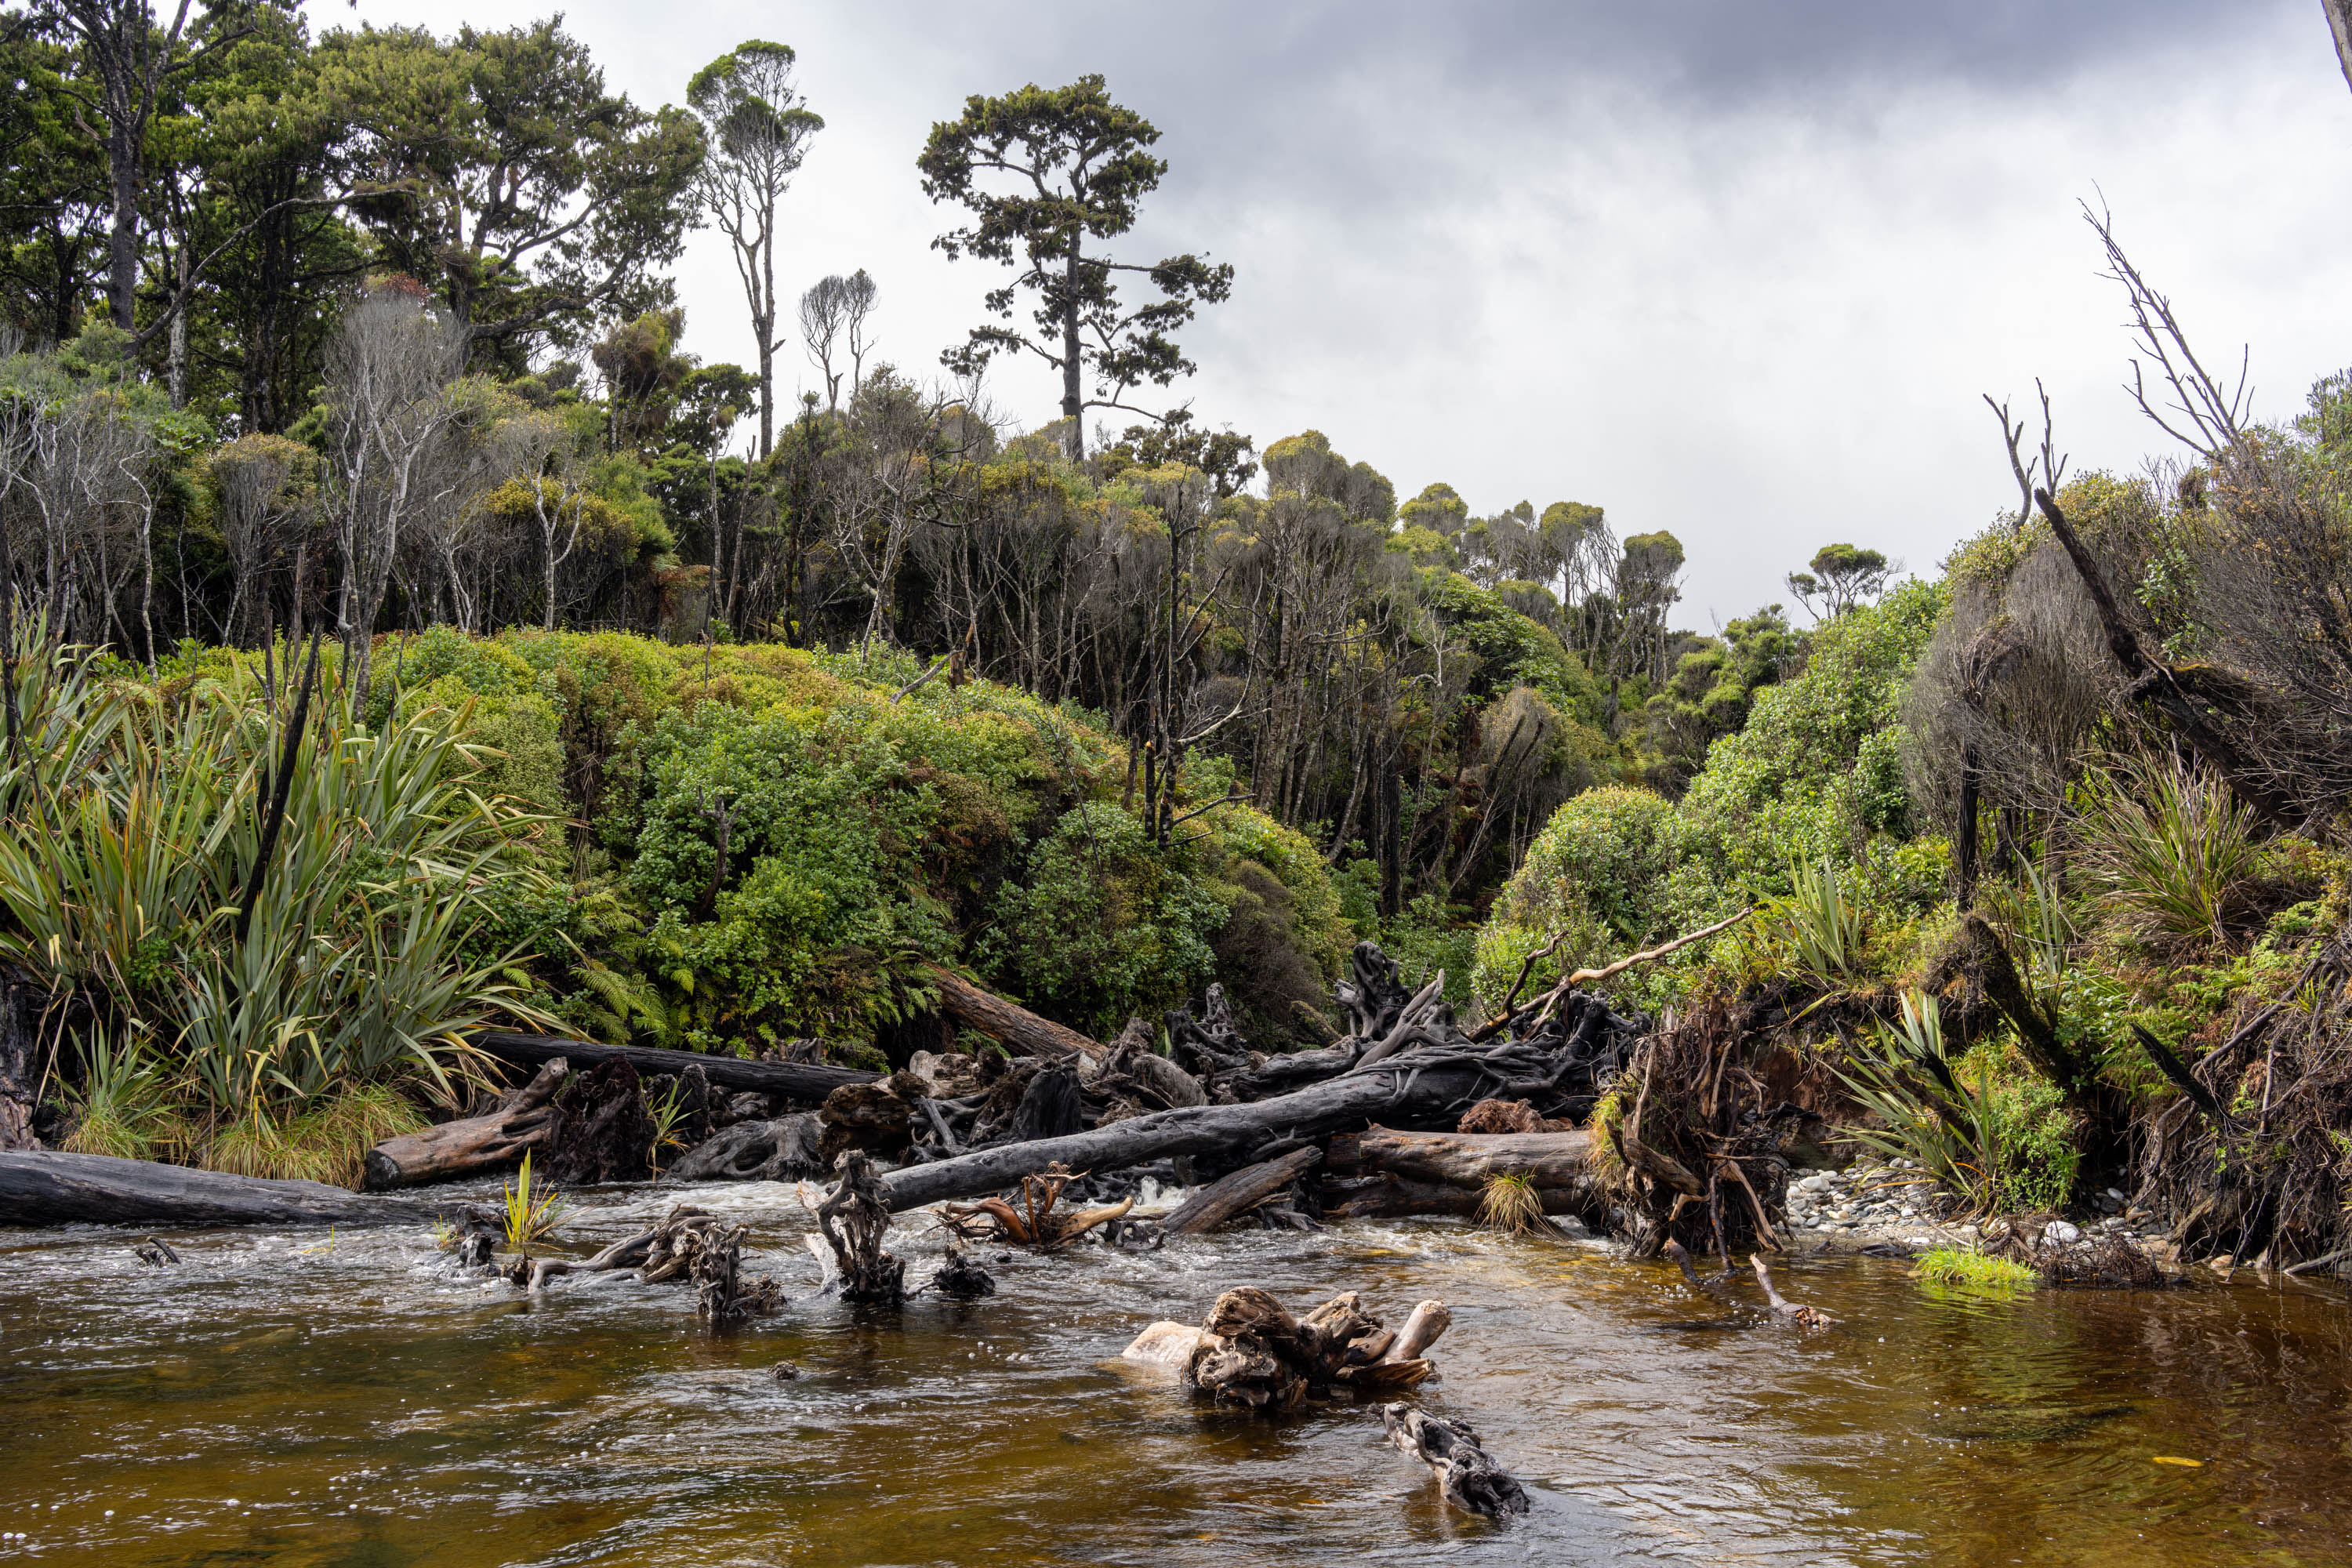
<point>1383,1173</point>
<point>1236,1194</point>
<point>44,1187</point>
<point>804,1081</point>
<point>1469,1160</point>
<point>1406,1087</point>
<point>1026,1033</point>
<point>1381,1195</point>
<point>476,1143</point>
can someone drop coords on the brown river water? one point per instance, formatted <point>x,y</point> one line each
<point>301,1399</point>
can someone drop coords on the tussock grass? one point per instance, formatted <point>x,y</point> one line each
<point>1972,1270</point>
<point>1512,1203</point>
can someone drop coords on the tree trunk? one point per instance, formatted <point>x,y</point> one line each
<point>1402,1090</point>
<point>476,1143</point>
<point>19,1041</point>
<point>1469,1160</point>
<point>2340,23</point>
<point>99,1189</point>
<point>1238,1193</point>
<point>803,1081</point>
<point>1016,1026</point>
<point>1074,405</point>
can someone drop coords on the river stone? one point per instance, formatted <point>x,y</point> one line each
<point>2064,1233</point>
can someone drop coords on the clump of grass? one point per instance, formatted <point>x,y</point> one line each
<point>328,1143</point>
<point>1972,1270</point>
<point>1512,1203</point>
<point>530,1216</point>
<point>667,1113</point>
<point>122,1107</point>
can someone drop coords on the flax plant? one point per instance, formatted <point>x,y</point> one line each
<point>132,827</point>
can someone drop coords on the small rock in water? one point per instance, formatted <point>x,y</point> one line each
<point>785,1372</point>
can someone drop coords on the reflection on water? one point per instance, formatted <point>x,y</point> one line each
<point>292,1399</point>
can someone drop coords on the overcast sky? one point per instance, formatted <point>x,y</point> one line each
<point>1739,270</point>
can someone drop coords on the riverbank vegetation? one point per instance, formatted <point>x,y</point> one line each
<point>398,646</point>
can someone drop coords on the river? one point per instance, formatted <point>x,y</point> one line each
<point>299,1398</point>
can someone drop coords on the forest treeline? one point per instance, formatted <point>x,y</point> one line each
<point>369,329</point>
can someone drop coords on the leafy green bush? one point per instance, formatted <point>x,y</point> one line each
<point>1105,925</point>
<point>1598,871</point>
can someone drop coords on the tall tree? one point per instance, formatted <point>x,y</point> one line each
<point>1077,166</point>
<point>497,169</point>
<point>126,57</point>
<point>1843,577</point>
<point>757,128</point>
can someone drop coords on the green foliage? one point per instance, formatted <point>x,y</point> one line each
<point>121,877</point>
<point>1427,936</point>
<point>1925,1111</point>
<point>1105,926</point>
<point>1598,871</point>
<point>1969,1270</point>
<point>1820,927</point>
<point>124,1105</point>
<point>1988,1129</point>
<point>531,1214</point>
<point>2170,850</point>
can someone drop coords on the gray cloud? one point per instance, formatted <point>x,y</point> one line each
<point>1735,269</point>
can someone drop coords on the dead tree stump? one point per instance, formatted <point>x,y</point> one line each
<point>854,1219</point>
<point>1468,1475</point>
<point>601,1131</point>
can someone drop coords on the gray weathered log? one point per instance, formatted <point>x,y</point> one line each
<point>49,1188</point>
<point>1243,1189</point>
<point>1468,1475</point>
<point>1402,1089</point>
<point>1469,1160</point>
<point>804,1081</point>
<point>474,1143</point>
<point>1024,1031</point>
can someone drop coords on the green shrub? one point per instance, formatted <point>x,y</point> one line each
<point>123,880</point>
<point>1105,926</point>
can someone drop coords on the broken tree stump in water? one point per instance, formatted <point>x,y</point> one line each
<point>519,1124</point>
<point>1251,1352</point>
<point>602,1130</point>
<point>1038,1221</point>
<point>756,1151</point>
<point>854,1220</point>
<point>1468,1475</point>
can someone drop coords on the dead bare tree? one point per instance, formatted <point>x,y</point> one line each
<point>387,384</point>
